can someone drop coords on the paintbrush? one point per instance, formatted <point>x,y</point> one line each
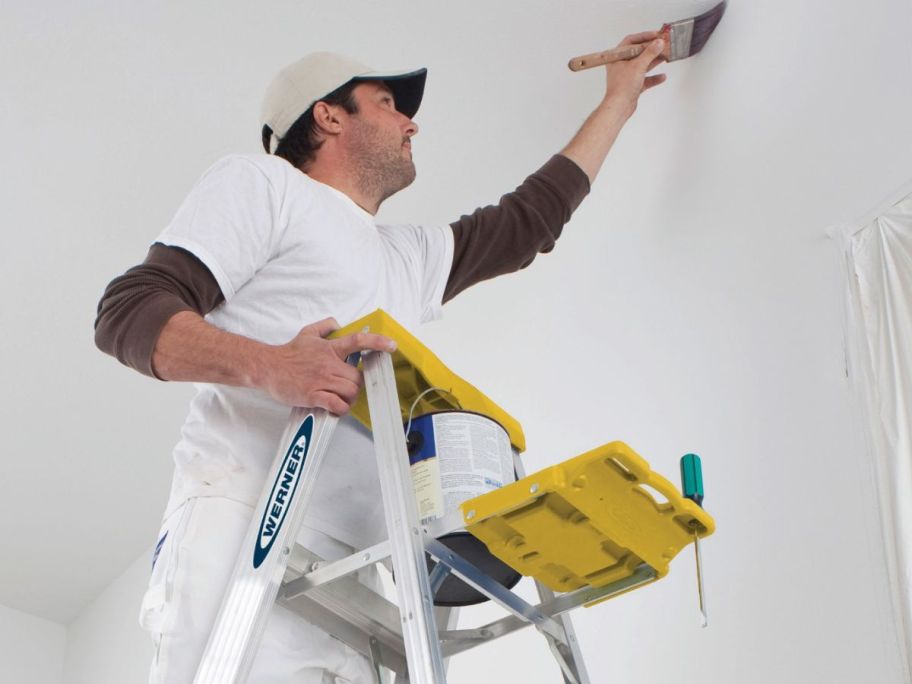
<point>682,39</point>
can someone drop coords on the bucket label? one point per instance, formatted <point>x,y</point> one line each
<point>469,455</point>
<point>283,491</point>
<point>426,478</point>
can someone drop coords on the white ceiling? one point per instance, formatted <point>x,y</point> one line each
<point>693,303</point>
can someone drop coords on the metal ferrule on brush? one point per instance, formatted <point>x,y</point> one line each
<point>680,34</point>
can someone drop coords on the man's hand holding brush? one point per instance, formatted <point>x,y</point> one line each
<point>626,81</point>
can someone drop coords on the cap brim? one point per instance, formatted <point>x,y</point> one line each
<point>407,87</point>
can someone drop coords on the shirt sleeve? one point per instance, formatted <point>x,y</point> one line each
<point>229,221</point>
<point>507,236</point>
<point>426,252</point>
<point>437,251</point>
<point>137,305</point>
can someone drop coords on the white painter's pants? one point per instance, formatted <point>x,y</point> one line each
<point>191,569</point>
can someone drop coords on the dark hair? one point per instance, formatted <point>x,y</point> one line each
<point>301,142</point>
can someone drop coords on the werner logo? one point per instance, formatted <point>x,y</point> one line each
<point>283,491</point>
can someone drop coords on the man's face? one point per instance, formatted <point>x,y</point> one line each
<point>379,139</point>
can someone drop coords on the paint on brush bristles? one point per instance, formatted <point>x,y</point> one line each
<point>704,25</point>
<point>686,38</point>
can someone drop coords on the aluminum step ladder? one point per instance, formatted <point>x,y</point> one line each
<point>412,638</point>
<point>404,638</point>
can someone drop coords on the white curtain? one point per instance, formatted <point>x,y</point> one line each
<point>879,337</point>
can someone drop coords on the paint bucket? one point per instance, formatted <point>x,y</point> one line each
<point>455,456</point>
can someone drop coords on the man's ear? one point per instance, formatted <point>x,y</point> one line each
<point>327,119</point>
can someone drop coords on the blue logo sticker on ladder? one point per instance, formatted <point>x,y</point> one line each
<point>283,491</point>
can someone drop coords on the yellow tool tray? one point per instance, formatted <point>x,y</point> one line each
<point>418,369</point>
<point>588,521</point>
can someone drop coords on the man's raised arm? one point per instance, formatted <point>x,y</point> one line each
<point>506,237</point>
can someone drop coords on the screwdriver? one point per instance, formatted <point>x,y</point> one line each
<point>692,486</point>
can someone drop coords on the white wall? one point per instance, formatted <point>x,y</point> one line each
<point>31,649</point>
<point>105,644</point>
<point>693,304</point>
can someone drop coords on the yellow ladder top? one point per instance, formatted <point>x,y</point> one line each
<point>418,369</point>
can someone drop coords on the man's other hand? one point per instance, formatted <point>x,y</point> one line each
<point>311,370</point>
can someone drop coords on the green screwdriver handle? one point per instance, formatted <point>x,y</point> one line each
<point>692,478</point>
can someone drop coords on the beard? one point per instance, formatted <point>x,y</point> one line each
<point>383,167</point>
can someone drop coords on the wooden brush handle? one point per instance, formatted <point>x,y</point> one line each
<point>599,58</point>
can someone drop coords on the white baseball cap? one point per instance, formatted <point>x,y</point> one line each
<point>298,86</point>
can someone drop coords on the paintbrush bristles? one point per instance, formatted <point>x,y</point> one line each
<point>704,25</point>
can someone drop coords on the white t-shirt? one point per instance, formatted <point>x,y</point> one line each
<point>288,251</point>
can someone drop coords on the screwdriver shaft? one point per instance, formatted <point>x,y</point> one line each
<point>700,579</point>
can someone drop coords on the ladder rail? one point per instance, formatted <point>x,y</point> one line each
<point>265,549</point>
<point>416,604</point>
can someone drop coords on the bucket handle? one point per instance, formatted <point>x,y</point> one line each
<point>408,428</point>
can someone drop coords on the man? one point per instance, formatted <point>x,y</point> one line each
<point>266,244</point>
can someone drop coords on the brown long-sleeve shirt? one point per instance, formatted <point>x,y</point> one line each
<point>491,241</point>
